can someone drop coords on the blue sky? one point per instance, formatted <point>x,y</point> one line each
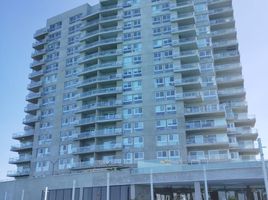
<point>20,19</point>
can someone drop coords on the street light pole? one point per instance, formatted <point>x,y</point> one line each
<point>206,182</point>
<point>151,185</point>
<point>263,166</point>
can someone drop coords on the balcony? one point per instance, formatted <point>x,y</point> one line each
<point>112,77</point>
<point>211,110</point>
<point>223,33</point>
<point>251,148</point>
<point>227,93</point>
<point>40,33</point>
<point>39,44</point>
<point>200,125</point>
<point>97,148</point>
<point>230,81</point>
<point>89,24</point>
<point>225,43</point>
<point>186,43</point>
<point>189,96</point>
<point>189,83</point>
<point>110,18</point>
<point>187,56</point>
<point>38,53</point>
<point>111,7</point>
<point>181,5</point>
<point>24,134</point>
<point>99,105</point>
<point>110,53</point>
<point>246,133</point>
<point>184,29</point>
<point>208,158</point>
<point>221,22</point>
<point>98,164</point>
<point>20,159</point>
<point>19,173</point>
<point>99,133</point>
<point>22,147</point>
<point>34,85</point>
<point>36,74</point>
<point>37,64</point>
<point>101,31</point>
<point>188,69</point>
<point>239,106</point>
<point>104,91</point>
<point>208,142</point>
<point>93,68</point>
<point>229,55</point>
<point>32,97</point>
<point>30,120</point>
<point>217,1</point>
<point>183,17</point>
<point>99,119</point>
<point>99,43</point>
<point>31,108</point>
<point>236,67</point>
<point>225,11</point>
<point>243,120</point>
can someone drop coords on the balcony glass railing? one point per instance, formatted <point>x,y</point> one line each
<point>101,66</point>
<point>101,105</point>
<point>19,172</point>
<point>204,109</point>
<point>97,163</point>
<point>221,21</point>
<point>101,91</point>
<point>22,158</point>
<point>22,146</point>
<point>94,148</point>
<point>99,133</point>
<point>188,95</point>
<point>25,133</point>
<point>101,79</point>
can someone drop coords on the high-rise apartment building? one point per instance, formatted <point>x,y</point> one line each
<point>131,80</point>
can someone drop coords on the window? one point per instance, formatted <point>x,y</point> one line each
<point>162,154</point>
<point>51,67</point>
<point>69,107</point>
<point>42,166</point>
<point>65,163</point>
<point>138,126</point>
<point>69,95</point>
<point>48,100</point>
<point>65,149</point>
<point>138,142</point>
<point>74,28</point>
<point>72,50</point>
<point>52,56</point>
<point>55,26</point>
<point>54,36</point>
<point>47,112</point>
<point>50,78</point>
<point>49,89</point>
<point>75,18</point>
<point>73,39</point>
<point>70,83</point>
<point>138,155</point>
<point>53,46</point>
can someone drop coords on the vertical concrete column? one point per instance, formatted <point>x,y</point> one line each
<point>81,194</point>
<point>197,191</point>
<point>132,192</point>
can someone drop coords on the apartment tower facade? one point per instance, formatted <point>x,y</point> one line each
<point>130,80</point>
